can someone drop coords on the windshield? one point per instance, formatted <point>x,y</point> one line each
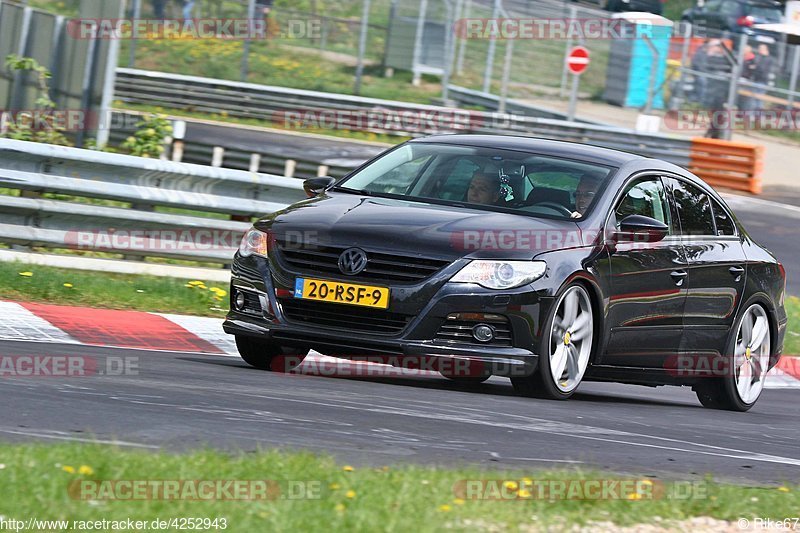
<point>763,13</point>
<point>483,178</point>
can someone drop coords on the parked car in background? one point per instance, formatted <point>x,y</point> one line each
<point>646,6</point>
<point>736,16</point>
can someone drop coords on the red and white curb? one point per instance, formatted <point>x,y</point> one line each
<point>24,321</point>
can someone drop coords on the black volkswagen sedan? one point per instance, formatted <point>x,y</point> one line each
<point>547,262</point>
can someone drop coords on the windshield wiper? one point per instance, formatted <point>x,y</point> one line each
<point>363,192</point>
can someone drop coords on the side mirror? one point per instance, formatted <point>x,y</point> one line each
<point>316,186</point>
<point>639,228</point>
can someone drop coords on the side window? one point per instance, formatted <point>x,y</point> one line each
<point>725,224</point>
<point>645,197</point>
<point>729,9</point>
<point>694,209</point>
<point>455,185</point>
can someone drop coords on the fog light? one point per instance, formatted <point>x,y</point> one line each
<point>239,301</point>
<point>483,332</point>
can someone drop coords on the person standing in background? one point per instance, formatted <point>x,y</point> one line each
<point>158,9</point>
<point>748,103</point>
<point>762,74</point>
<point>188,7</point>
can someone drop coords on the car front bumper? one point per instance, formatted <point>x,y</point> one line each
<point>522,307</point>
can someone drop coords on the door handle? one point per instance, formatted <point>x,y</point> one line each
<point>736,272</point>
<point>678,276</point>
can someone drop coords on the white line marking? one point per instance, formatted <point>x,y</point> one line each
<point>739,199</point>
<point>60,435</point>
<point>497,456</point>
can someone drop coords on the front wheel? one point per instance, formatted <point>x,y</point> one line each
<point>565,349</point>
<point>266,355</point>
<point>740,387</point>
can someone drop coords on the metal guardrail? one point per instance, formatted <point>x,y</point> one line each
<point>270,103</point>
<point>175,205</point>
<point>491,102</point>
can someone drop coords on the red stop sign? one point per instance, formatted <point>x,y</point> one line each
<point>578,59</point>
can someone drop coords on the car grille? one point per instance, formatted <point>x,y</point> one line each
<point>460,331</point>
<point>380,266</point>
<point>343,317</point>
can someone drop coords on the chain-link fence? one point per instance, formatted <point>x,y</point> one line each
<point>749,78</point>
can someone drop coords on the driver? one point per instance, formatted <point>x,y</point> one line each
<point>584,194</point>
<point>484,188</point>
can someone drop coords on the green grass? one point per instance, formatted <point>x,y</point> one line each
<point>36,478</point>
<point>111,291</point>
<point>227,119</point>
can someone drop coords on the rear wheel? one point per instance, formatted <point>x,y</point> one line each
<point>566,348</point>
<point>266,355</point>
<point>746,371</point>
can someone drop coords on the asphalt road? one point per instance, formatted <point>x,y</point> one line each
<point>183,401</point>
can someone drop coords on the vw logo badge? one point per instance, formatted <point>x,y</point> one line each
<point>352,261</point>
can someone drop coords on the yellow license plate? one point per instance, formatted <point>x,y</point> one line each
<point>343,293</point>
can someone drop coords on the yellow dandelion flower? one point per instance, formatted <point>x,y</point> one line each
<point>511,485</point>
<point>445,508</point>
<point>86,470</point>
<point>348,468</point>
<point>26,274</point>
<point>68,469</point>
<point>340,507</point>
<point>350,494</point>
<point>68,285</point>
<point>635,496</point>
<point>783,489</point>
<point>195,283</point>
<point>524,493</point>
<point>458,501</point>
<point>334,486</point>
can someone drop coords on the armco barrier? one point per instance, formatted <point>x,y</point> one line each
<point>728,164</point>
<point>139,189</point>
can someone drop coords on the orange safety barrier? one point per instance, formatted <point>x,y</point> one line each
<point>729,164</point>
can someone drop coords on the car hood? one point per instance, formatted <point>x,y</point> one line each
<point>432,230</point>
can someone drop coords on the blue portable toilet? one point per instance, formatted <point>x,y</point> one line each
<point>630,60</point>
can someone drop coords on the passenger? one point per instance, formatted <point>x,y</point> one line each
<point>584,194</point>
<point>484,188</point>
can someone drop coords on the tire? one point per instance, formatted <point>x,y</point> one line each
<point>266,355</point>
<point>571,353</point>
<point>748,352</point>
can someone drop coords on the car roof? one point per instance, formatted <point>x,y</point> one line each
<point>565,149</point>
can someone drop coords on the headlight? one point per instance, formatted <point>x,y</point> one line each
<point>254,242</point>
<point>500,274</point>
